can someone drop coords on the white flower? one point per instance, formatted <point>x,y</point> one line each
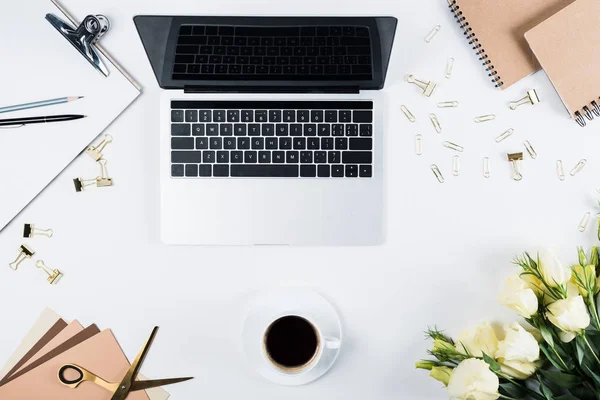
<point>473,380</point>
<point>478,340</point>
<point>569,315</point>
<point>553,271</point>
<point>517,295</point>
<point>518,352</point>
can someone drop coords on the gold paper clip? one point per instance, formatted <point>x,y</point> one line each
<point>560,170</point>
<point>407,113</point>
<point>530,149</point>
<point>53,275</point>
<point>514,158</point>
<point>531,98</point>
<point>436,123</point>
<point>485,118</point>
<point>96,151</point>
<point>427,87</point>
<point>433,33</point>
<point>455,165</point>
<point>104,180</point>
<point>487,170</point>
<point>449,67</point>
<point>453,146</point>
<point>81,184</point>
<point>437,173</point>
<point>419,144</point>
<point>577,169</point>
<point>584,222</point>
<point>29,231</point>
<point>25,252</point>
<point>505,135</point>
<point>447,104</point>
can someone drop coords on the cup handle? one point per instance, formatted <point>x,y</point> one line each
<point>332,342</point>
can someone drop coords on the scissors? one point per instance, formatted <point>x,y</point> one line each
<point>129,383</point>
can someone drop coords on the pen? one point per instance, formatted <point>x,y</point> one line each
<point>36,104</point>
<point>39,120</point>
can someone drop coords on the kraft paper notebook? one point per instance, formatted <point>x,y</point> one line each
<point>496,29</point>
<point>568,47</point>
<point>42,382</point>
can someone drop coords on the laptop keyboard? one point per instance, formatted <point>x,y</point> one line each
<point>273,53</point>
<point>243,139</point>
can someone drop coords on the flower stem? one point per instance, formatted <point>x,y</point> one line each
<point>564,364</point>
<point>594,311</point>
<point>590,347</point>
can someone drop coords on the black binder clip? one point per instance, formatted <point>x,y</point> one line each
<point>84,37</point>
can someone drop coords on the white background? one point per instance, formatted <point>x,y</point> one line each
<point>448,247</point>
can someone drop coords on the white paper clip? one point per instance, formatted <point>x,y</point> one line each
<point>485,118</point>
<point>436,123</point>
<point>449,67</point>
<point>433,33</point>
<point>447,104</point>
<point>577,169</point>
<point>25,252</point>
<point>487,169</point>
<point>584,222</point>
<point>453,146</point>
<point>96,151</point>
<point>530,149</point>
<point>455,165</point>
<point>560,170</point>
<point>505,135</point>
<point>54,275</point>
<point>419,144</point>
<point>29,231</point>
<point>104,180</point>
<point>437,173</point>
<point>407,113</point>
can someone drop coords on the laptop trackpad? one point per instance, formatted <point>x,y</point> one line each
<point>268,212</point>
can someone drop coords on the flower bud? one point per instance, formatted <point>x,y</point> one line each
<point>426,364</point>
<point>442,374</point>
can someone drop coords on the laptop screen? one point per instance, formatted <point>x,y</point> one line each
<point>268,51</point>
<point>307,53</point>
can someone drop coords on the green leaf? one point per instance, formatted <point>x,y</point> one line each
<point>545,390</point>
<point>546,334</point>
<point>551,357</point>
<point>511,390</point>
<point>494,366</point>
<point>566,397</point>
<point>594,376</point>
<point>581,349</point>
<point>563,380</point>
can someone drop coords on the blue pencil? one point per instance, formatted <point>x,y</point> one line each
<point>37,104</point>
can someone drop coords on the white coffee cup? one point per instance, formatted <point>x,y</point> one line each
<point>299,344</point>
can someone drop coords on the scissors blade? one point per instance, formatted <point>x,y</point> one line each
<point>143,385</point>
<point>132,373</point>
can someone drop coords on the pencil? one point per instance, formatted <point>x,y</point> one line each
<point>37,104</point>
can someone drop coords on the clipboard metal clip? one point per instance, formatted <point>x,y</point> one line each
<point>84,37</point>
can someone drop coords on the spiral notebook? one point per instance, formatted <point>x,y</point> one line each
<point>496,29</point>
<point>568,47</point>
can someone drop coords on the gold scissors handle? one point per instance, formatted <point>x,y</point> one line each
<point>83,375</point>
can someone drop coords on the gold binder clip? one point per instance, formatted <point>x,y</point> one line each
<point>427,87</point>
<point>531,98</point>
<point>103,180</point>
<point>96,151</point>
<point>81,184</point>
<point>25,252</point>
<point>30,231</point>
<point>53,275</point>
<point>514,158</point>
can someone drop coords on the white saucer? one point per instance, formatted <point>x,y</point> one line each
<point>274,304</point>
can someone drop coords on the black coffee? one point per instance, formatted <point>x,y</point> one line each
<point>291,342</point>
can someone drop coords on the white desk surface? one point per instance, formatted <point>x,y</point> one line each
<point>448,246</point>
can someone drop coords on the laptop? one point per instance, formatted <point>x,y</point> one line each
<point>271,128</point>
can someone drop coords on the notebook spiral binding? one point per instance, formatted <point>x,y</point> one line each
<point>472,38</point>
<point>588,113</point>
